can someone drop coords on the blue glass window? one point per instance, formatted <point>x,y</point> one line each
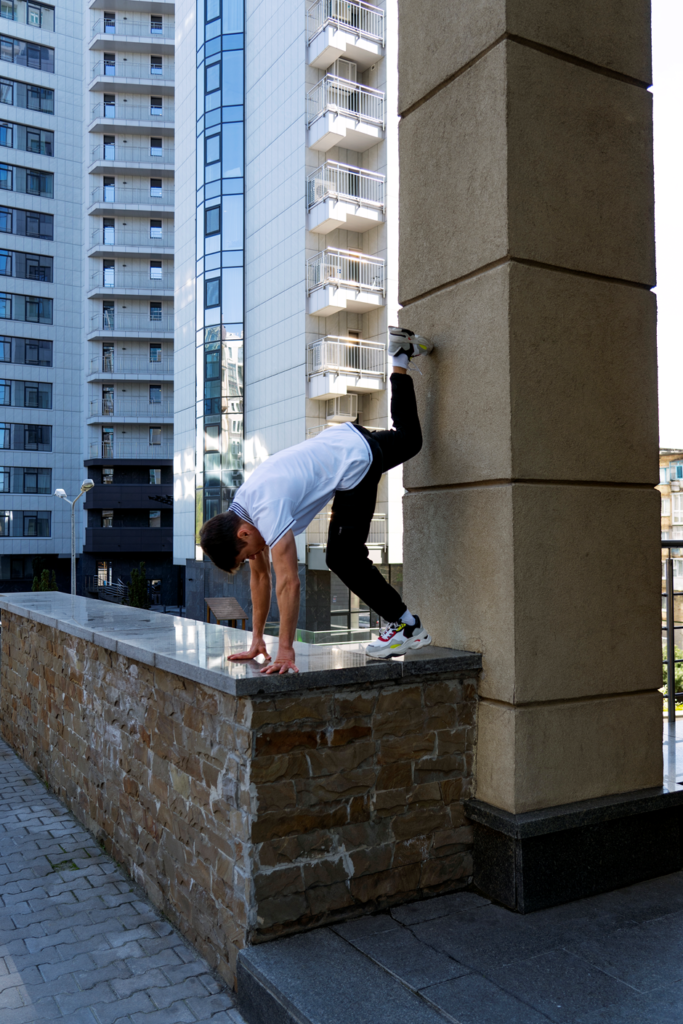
<point>212,293</point>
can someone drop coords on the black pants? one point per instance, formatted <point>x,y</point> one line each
<point>352,511</point>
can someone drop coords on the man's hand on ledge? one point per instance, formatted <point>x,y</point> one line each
<point>257,647</point>
<point>283,662</point>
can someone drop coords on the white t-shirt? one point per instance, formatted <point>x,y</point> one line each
<point>287,490</point>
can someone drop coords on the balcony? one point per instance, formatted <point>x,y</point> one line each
<point>342,28</point>
<point>318,529</point>
<point>138,450</point>
<point>110,324</point>
<point>125,410</point>
<point>125,367</point>
<point>127,496</point>
<point>108,283</point>
<point>339,279</point>
<point>132,35</point>
<point>340,366</point>
<point>133,76</point>
<point>343,113</point>
<point>109,241</point>
<point>343,196</point>
<point>101,539</point>
<point>109,199</point>
<point>122,156</point>
<point>133,118</point>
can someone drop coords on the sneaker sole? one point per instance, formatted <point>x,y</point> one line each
<point>396,652</point>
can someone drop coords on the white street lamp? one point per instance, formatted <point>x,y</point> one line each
<point>61,493</point>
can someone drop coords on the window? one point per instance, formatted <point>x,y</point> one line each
<point>155,66</point>
<point>155,519</point>
<point>156,106</point>
<point>156,148</point>
<point>677,509</point>
<point>155,435</point>
<point>37,396</point>
<point>28,55</point>
<point>108,315</point>
<point>107,474</point>
<point>5,475</point>
<point>213,9</point>
<point>107,518</point>
<point>5,351</point>
<point>109,23</point>
<point>38,183</point>
<point>155,311</point>
<point>212,293</point>
<point>107,442</point>
<point>108,356</point>
<point>36,310</point>
<point>6,91</point>
<point>212,220</point>
<point>37,481</point>
<point>155,270</point>
<point>110,147</point>
<point>5,306</point>
<point>155,229</point>
<point>39,141</point>
<point>110,64</point>
<point>108,270</point>
<point>213,149</point>
<point>41,99</point>
<point>666,507</point>
<point>155,353</point>
<point>155,476</point>
<point>5,435</point>
<point>109,193</point>
<point>676,471</point>
<point>6,177</point>
<point>37,524</point>
<point>213,77</point>
<point>5,523</point>
<point>6,135</point>
<point>35,225</point>
<point>109,105</point>
<point>5,392</point>
<point>5,263</point>
<point>155,188</point>
<point>36,268</point>
<point>37,437</point>
<point>107,400</point>
<point>156,26</point>
<point>155,394</point>
<point>38,353</point>
<point>108,228</point>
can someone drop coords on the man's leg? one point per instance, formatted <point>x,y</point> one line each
<point>404,441</point>
<point>347,555</point>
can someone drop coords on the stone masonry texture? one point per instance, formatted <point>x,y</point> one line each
<point>248,818</point>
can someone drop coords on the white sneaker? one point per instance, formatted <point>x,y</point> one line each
<point>397,638</point>
<point>403,340</point>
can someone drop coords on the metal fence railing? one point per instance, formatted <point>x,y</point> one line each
<point>126,68</point>
<point>133,196</point>
<point>139,407</point>
<point>133,27</point>
<point>131,450</point>
<point>360,18</point>
<point>343,181</point>
<point>344,267</point>
<point>138,239</point>
<point>318,528</point>
<point>126,111</point>
<point>124,153</point>
<point>672,567</point>
<point>347,355</point>
<point>112,320</point>
<point>137,282</point>
<point>130,364</point>
<point>340,95</point>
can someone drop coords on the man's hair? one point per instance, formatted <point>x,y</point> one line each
<point>219,540</point>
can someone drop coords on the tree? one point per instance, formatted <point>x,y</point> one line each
<point>46,581</point>
<point>138,596</point>
<point>678,674</point>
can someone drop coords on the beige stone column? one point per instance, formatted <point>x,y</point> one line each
<point>527,254</point>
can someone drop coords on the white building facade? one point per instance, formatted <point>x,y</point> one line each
<point>41,201</point>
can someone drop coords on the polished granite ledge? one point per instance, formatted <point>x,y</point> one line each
<point>199,650</point>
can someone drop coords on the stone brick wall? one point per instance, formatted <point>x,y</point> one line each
<point>247,818</point>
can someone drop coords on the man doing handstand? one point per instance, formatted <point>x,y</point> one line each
<point>284,494</point>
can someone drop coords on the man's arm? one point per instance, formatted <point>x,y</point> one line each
<point>259,581</point>
<point>287,590</point>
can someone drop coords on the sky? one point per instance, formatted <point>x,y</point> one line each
<point>667,28</point>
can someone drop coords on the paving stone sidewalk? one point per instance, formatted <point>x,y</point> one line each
<point>79,941</point>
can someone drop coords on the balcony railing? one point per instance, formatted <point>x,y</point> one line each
<point>138,282</point>
<point>360,18</point>
<point>142,366</point>
<point>132,196</point>
<point>346,355</point>
<point>316,532</point>
<point>140,322</point>
<point>343,181</point>
<point>138,407</point>
<point>341,96</point>
<point>132,112</point>
<point>114,237</point>
<point>131,450</point>
<point>132,27</point>
<point>124,153</point>
<point>672,630</point>
<point>126,68</point>
<point>349,269</point>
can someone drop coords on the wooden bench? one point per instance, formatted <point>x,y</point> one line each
<point>225,608</point>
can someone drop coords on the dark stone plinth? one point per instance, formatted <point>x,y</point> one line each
<point>552,856</point>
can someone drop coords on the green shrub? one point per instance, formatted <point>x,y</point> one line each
<point>138,596</point>
<point>46,581</point>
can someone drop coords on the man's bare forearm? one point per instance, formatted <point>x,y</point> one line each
<point>288,603</point>
<point>260,594</point>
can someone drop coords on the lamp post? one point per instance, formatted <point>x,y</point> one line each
<point>61,493</point>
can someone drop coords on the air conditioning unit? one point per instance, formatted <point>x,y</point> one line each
<point>342,409</point>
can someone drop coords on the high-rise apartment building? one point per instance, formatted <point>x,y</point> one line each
<point>286,260</point>
<point>41,185</point>
<point>129,160</point>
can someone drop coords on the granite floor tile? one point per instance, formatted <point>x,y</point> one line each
<point>476,1000</point>
<point>440,906</point>
<point>409,959</point>
<point>645,956</point>
<point>560,985</point>
<point>362,927</point>
<point>483,937</point>
<point>664,1006</point>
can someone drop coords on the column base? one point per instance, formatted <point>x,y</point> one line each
<point>559,854</point>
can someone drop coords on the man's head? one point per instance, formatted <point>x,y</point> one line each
<point>229,541</point>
